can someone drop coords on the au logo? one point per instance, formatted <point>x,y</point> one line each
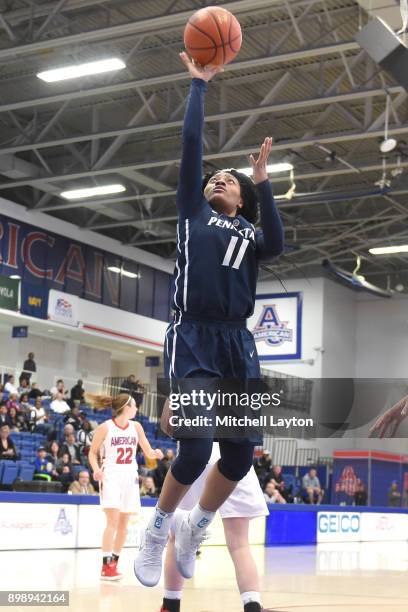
<point>271,329</point>
<point>63,524</point>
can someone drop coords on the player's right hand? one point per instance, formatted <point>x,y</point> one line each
<point>392,419</point>
<point>98,475</point>
<point>196,71</point>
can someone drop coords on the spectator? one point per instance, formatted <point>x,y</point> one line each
<point>64,470</point>
<point>42,467</point>
<point>4,416</point>
<point>10,387</point>
<point>275,475</point>
<point>78,392</point>
<point>163,467</point>
<point>84,437</point>
<point>7,448</point>
<point>148,488</point>
<point>138,394</point>
<point>82,486</point>
<point>25,405</point>
<point>59,389</point>
<point>312,489</point>
<point>68,429</point>
<point>24,387</point>
<point>39,418</point>
<point>34,392</point>
<point>130,385</point>
<point>74,417</point>
<point>360,495</point>
<point>29,367</point>
<point>141,462</point>
<point>53,456</point>
<point>394,496</point>
<point>263,465</point>
<point>272,495</point>
<point>12,401</point>
<point>72,448</point>
<point>18,421</point>
<point>59,405</point>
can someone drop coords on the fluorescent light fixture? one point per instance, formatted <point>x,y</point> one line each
<point>90,192</point>
<point>122,272</point>
<point>140,351</point>
<point>272,168</point>
<point>15,276</point>
<point>389,250</point>
<point>79,70</point>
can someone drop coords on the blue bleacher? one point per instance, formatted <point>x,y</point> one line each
<point>10,473</point>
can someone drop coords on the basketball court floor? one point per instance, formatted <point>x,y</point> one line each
<point>367,577</point>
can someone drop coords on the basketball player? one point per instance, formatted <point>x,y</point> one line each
<point>218,253</point>
<point>245,502</point>
<point>119,484</point>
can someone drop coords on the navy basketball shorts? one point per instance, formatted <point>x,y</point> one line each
<point>197,349</point>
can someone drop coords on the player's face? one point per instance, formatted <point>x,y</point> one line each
<point>223,191</point>
<point>131,409</point>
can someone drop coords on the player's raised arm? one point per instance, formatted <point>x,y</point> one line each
<point>148,451</point>
<point>189,193</point>
<point>270,240</point>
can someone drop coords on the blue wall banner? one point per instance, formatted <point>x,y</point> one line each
<point>55,262</point>
<point>277,326</point>
<point>34,300</point>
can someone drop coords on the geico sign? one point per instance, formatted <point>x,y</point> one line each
<point>339,523</point>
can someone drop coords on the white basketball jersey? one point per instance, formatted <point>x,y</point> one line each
<point>120,446</point>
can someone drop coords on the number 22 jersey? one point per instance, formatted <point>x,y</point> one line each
<point>120,446</point>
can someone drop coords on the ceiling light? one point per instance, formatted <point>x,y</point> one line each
<point>122,272</point>
<point>389,250</point>
<point>79,70</point>
<point>90,192</point>
<point>388,145</point>
<point>272,168</point>
<point>50,331</point>
<point>15,276</point>
<point>140,351</point>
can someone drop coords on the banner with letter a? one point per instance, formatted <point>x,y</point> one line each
<point>277,326</point>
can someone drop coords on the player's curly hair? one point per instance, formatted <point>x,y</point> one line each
<point>248,192</point>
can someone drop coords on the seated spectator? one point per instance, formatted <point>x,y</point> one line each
<point>59,405</point>
<point>34,392</point>
<point>78,393</point>
<point>64,470</point>
<point>148,489</point>
<point>39,418</point>
<point>12,401</point>
<point>360,495</point>
<point>24,386</point>
<point>68,429</point>
<point>84,437</point>
<point>272,495</point>
<point>72,448</point>
<point>18,420</point>
<point>275,475</point>
<point>10,386</point>
<point>312,489</point>
<point>4,416</point>
<point>25,405</point>
<point>7,448</point>
<point>53,456</point>
<point>59,389</point>
<point>82,486</point>
<point>42,467</point>
<point>74,417</point>
<point>394,496</point>
<point>163,467</point>
<point>263,465</point>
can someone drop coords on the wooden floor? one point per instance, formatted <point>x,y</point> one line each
<point>348,578</point>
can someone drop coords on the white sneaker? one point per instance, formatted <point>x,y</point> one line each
<point>187,542</point>
<point>148,563</point>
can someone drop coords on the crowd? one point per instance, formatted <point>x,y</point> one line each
<point>26,408</point>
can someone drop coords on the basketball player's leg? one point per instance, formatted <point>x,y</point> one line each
<point>109,569</point>
<point>121,533</point>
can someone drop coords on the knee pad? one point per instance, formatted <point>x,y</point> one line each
<point>191,460</point>
<point>236,460</point>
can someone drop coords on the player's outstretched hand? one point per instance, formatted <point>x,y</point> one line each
<point>392,419</point>
<point>259,165</point>
<point>196,71</point>
<point>159,454</point>
<point>98,475</point>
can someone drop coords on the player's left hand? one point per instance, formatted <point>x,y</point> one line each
<point>259,165</point>
<point>392,419</point>
<point>159,454</point>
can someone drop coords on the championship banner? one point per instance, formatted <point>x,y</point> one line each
<point>63,308</point>
<point>34,300</point>
<point>8,293</point>
<point>277,326</point>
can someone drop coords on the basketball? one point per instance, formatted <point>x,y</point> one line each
<point>213,36</point>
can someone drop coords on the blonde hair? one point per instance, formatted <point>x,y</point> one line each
<point>117,403</point>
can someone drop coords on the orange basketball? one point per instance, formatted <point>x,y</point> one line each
<point>213,36</point>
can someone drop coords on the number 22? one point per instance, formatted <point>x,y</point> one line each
<point>121,452</point>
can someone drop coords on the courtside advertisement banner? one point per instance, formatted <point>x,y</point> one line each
<point>338,527</point>
<point>63,308</point>
<point>277,326</point>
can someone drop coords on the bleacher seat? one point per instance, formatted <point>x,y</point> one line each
<point>26,472</point>
<point>9,473</point>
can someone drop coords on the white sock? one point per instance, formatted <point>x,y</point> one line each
<point>172,594</point>
<point>249,596</point>
<point>160,522</point>
<point>106,554</point>
<point>200,518</point>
